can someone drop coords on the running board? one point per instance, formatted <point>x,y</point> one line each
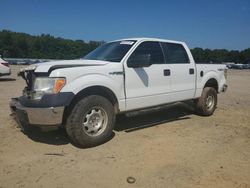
<point>187,105</point>
<point>151,109</point>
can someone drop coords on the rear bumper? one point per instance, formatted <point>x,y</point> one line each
<point>51,116</point>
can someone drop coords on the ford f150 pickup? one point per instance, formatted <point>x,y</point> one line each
<point>121,76</point>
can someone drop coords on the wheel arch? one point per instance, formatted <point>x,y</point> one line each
<point>212,82</point>
<point>92,90</point>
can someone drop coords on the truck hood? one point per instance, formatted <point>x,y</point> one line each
<point>52,65</point>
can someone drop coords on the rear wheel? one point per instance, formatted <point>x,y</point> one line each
<point>91,121</point>
<point>207,103</point>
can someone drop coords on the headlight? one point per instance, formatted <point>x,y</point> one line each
<point>43,85</point>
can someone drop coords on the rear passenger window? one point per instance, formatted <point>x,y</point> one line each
<point>174,53</point>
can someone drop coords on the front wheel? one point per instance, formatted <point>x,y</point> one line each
<point>91,121</point>
<point>207,103</point>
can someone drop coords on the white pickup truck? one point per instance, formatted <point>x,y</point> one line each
<point>121,76</point>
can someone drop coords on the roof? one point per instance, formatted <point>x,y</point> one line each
<point>151,39</point>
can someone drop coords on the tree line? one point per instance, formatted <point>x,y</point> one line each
<point>22,45</point>
<point>221,55</point>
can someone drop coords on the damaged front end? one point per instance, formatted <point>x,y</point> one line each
<point>38,106</point>
<point>28,75</point>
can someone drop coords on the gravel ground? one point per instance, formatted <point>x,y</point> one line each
<point>170,148</point>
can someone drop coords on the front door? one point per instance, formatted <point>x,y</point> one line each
<point>147,83</point>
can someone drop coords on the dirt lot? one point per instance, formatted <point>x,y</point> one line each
<point>170,148</point>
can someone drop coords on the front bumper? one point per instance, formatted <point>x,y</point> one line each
<point>50,116</point>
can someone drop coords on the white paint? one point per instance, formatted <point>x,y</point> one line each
<point>4,70</point>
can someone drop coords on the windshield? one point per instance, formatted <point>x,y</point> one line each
<point>112,51</point>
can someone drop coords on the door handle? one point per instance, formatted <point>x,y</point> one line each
<point>191,71</point>
<point>166,72</point>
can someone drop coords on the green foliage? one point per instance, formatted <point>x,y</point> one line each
<point>222,55</point>
<point>21,45</point>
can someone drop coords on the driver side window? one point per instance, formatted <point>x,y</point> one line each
<point>147,52</point>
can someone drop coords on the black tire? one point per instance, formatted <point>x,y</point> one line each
<point>82,125</point>
<point>206,104</point>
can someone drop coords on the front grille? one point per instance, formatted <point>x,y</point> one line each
<point>29,78</point>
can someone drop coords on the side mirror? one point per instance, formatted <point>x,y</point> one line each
<point>136,61</point>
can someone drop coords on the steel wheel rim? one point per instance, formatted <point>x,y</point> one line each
<point>95,121</point>
<point>210,102</point>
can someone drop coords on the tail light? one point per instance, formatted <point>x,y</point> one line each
<point>5,64</point>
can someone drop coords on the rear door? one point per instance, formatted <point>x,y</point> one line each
<point>182,71</point>
<point>147,86</point>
